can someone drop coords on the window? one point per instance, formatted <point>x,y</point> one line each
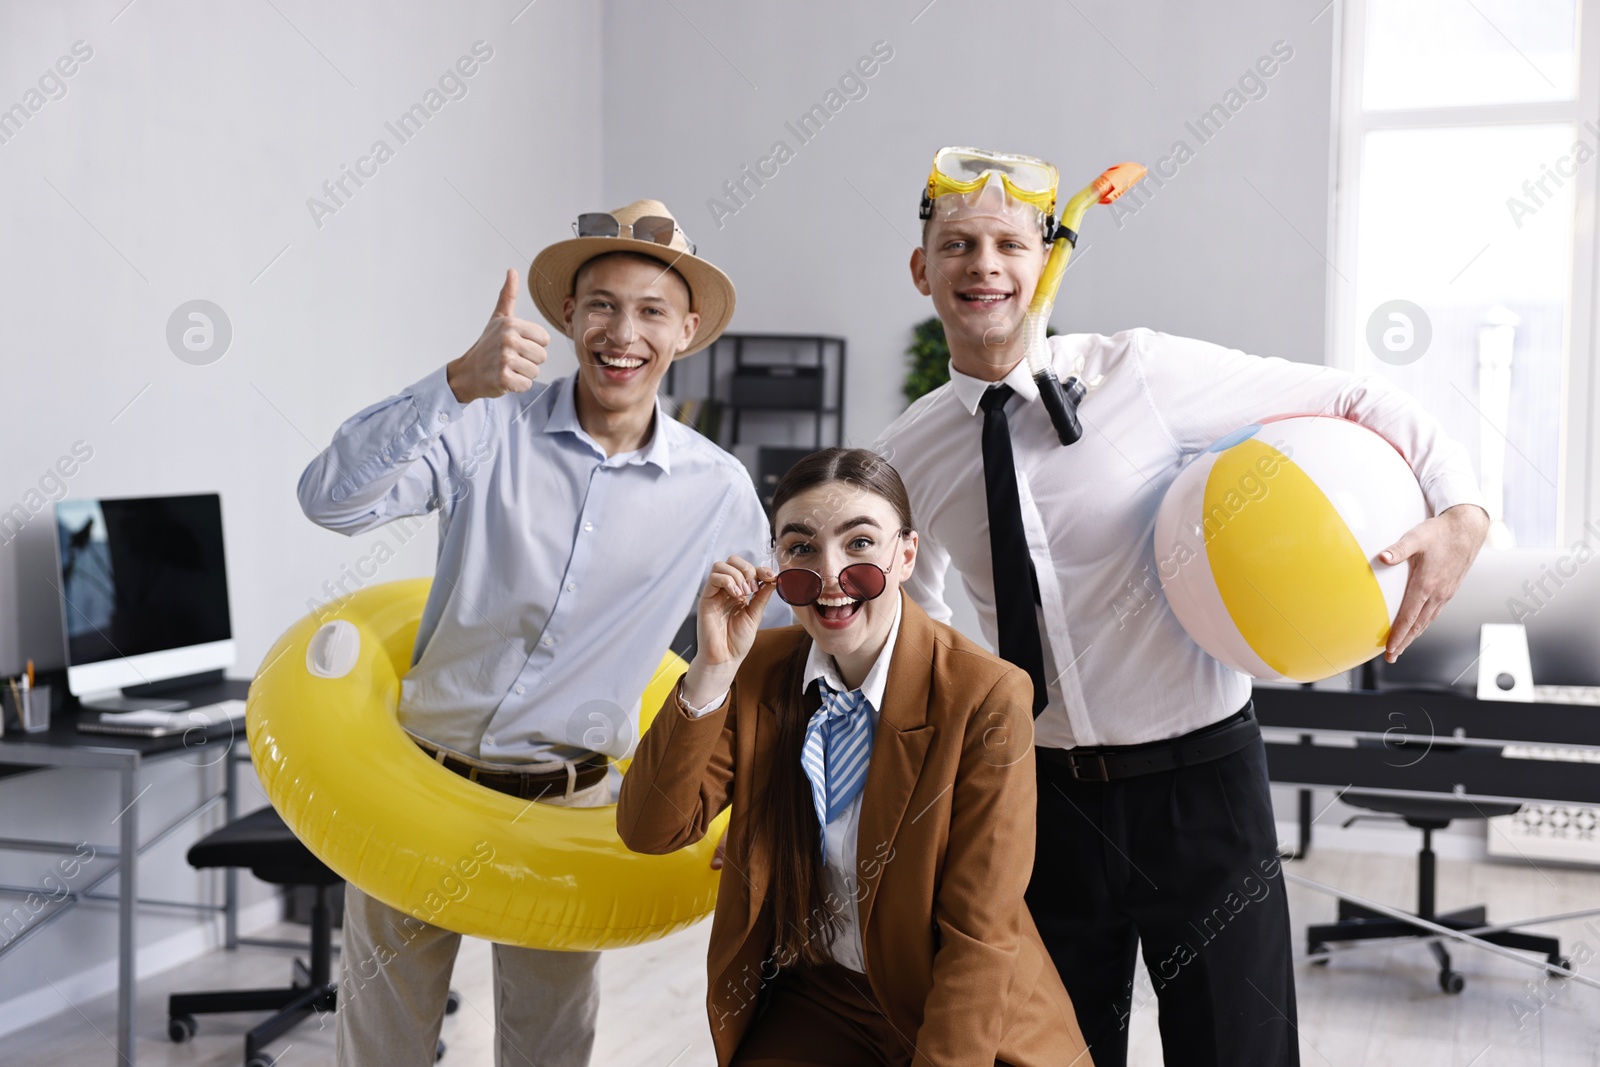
<point>1469,142</point>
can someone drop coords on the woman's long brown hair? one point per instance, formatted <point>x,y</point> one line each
<point>804,923</point>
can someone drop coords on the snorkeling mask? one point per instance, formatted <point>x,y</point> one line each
<point>961,180</point>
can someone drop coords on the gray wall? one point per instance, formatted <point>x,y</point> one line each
<point>177,166</point>
<point>824,246</point>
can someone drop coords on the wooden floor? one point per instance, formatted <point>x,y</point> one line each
<point>1376,1008</point>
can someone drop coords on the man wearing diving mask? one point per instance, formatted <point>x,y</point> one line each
<point>1155,824</point>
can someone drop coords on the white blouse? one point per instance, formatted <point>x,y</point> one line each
<point>842,889</point>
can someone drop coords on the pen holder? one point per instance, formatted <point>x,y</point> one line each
<point>32,713</point>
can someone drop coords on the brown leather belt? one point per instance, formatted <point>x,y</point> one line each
<point>564,777</point>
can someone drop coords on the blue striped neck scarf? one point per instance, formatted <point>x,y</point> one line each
<point>837,749</point>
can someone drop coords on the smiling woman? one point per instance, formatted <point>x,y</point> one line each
<point>869,754</point>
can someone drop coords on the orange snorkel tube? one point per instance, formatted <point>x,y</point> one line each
<point>1061,401</point>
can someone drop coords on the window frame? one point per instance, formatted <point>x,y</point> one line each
<point>1578,477</point>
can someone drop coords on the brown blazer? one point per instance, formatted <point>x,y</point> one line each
<point>944,854</point>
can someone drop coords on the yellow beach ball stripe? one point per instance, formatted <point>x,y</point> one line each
<point>1298,586</point>
<point>1267,546</point>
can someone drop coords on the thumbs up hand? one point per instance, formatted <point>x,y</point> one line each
<point>506,358</point>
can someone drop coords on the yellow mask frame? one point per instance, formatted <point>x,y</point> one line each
<point>1035,182</point>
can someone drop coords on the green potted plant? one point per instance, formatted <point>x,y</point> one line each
<point>930,358</point>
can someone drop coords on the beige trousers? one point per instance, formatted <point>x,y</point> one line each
<point>395,975</point>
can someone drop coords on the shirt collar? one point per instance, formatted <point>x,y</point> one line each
<point>970,390</point>
<point>564,419</point>
<point>820,665</point>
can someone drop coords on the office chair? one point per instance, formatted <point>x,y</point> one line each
<point>1356,923</point>
<point>261,842</point>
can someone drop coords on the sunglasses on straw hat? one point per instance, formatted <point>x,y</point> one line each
<point>657,229</point>
<point>646,228</point>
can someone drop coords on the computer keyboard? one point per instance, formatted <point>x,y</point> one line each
<point>1567,694</point>
<point>1553,753</point>
<point>163,723</point>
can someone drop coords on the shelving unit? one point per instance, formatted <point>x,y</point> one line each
<point>753,393</point>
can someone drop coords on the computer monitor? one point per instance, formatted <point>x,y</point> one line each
<point>1555,593</point>
<point>144,595</point>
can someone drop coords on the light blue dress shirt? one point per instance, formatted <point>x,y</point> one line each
<point>562,575</point>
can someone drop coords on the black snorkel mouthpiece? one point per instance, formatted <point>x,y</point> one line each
<point>1061,401</point>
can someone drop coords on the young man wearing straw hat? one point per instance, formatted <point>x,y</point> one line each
<point>577,521</point>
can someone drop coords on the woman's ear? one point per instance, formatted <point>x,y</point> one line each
<point>908,555</point>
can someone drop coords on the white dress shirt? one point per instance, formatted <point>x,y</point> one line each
<point>1120,669</point>
<point>840,884</point>
<point>562,574</point>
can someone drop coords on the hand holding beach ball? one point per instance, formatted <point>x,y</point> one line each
<point>1267,546</point>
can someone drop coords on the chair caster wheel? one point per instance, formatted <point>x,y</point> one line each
<point>438,1052</point>
<point>1312,950</point>
<point>452,1003</point>
<point>180,1028</point>
<point>260,1059</point>
<point>1452,981</point>
<point>1559,961</point>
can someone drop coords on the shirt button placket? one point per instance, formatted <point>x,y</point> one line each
<point>577,567</point>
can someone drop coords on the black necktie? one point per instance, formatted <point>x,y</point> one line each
<point>1008,547</point>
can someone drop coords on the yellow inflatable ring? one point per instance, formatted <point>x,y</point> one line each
<point>372,806</point>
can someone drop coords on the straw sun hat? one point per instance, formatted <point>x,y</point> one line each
<point>554,270</point>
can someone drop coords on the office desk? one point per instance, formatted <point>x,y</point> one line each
<point>63,746</point>
<point>1434,744</point>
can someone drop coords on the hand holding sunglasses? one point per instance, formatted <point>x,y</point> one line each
<point>726,620</point>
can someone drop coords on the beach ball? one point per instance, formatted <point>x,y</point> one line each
<point>1267,546</point>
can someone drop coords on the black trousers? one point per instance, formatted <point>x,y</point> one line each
<point>1185,864</point>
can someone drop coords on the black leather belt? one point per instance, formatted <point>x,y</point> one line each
<point>1208,743</point>
<point>563,780</point>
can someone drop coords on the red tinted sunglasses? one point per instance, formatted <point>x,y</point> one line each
<point>800,588</point>
<point>859,581</point>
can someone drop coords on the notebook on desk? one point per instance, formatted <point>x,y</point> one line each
<point>163,723</point>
